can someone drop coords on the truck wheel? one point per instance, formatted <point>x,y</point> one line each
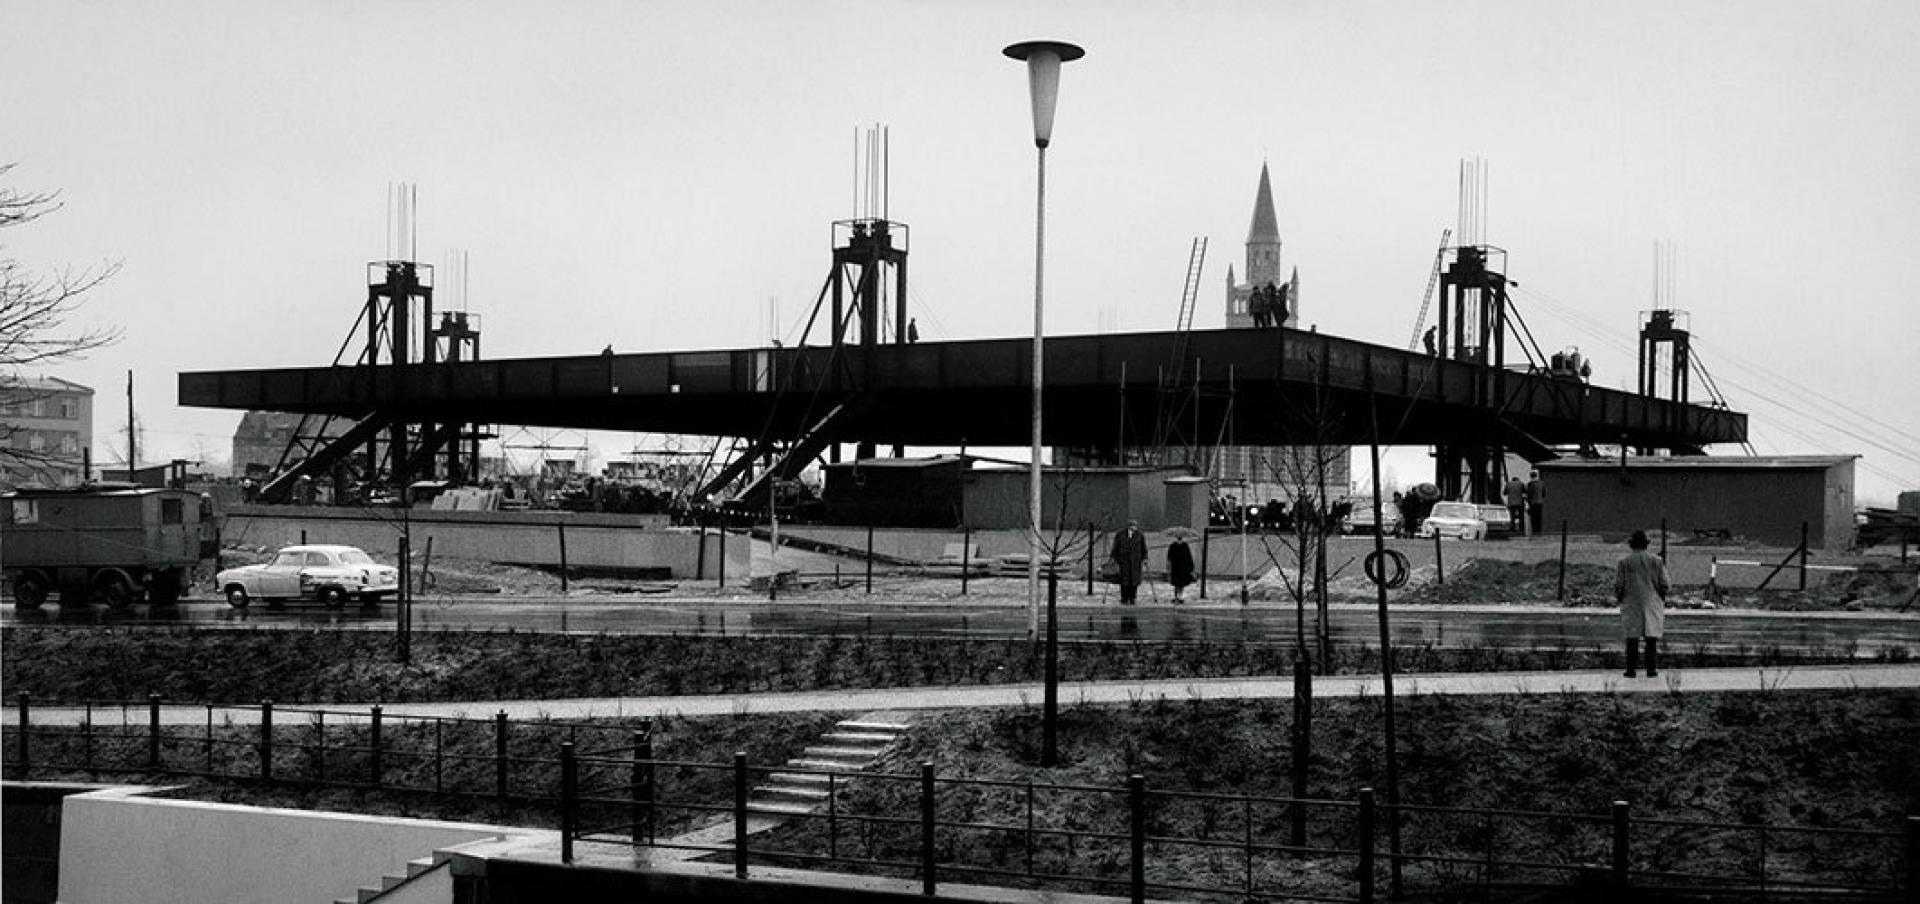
<point>165,590</point>
<point>237,597</point>
<point>113,588</point>
<point>29,590</point>
<point>333,597</point>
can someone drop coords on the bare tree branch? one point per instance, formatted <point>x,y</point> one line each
<point>34,312</point>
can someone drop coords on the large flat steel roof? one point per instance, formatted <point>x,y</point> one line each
<point>1254,387</point>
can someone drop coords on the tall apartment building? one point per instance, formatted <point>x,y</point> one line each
<point>1256,474</point>
<point>46,428</point>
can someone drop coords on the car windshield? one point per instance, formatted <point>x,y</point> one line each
<point>1454,510</point>
<point>355,557</point>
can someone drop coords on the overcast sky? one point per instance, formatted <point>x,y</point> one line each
<point>662,176</point>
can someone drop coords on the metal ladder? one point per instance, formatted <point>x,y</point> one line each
<point>1426,300</point>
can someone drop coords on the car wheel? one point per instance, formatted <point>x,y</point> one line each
<point>237,597</point>
<point>30,590</point>
<point>333,597</point>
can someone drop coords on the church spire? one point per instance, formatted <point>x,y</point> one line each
<point>1263,239</point>
<point>1266,227</point>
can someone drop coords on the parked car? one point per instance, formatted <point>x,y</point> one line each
<point>1365,519</point>
<point>1455,519</point>
<point>329,574</point>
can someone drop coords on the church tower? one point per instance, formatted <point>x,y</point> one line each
<point>1261,475</point>
<point>1263,260</point>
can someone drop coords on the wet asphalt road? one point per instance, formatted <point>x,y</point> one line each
<point>1861,634</point>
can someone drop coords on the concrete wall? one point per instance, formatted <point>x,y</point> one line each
<point>118,847</point>
<point>1762,503</point>
<point>525,538</point>
<point>998,499</point>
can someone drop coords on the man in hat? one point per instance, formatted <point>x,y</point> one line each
<point>1130,555</point>
<point>1640,586</point>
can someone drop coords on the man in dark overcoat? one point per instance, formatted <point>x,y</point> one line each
<point>1130,556</point>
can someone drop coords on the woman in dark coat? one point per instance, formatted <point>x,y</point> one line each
<point>1179,565</point>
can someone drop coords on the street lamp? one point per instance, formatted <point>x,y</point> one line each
<point>1043,59</point>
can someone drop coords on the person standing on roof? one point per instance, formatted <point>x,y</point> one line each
<point>1640,586</point>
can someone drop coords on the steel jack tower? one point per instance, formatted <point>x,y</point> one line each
<point>1473,328</point>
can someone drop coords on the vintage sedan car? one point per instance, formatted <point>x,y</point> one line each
<point>1455,519</point>
<point>329,574</point>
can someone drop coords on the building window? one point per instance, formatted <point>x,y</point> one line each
<point>69,409</point>
<point>36,441</point>
<point>171,511</point>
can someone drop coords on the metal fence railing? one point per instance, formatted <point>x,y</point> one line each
<point>1145,842</point>
<point>495,757</point>
<point>608,786</point>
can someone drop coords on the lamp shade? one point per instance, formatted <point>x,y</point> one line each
<point>1043,59</point>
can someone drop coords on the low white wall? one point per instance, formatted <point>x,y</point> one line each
<point>593,541</point>
<point>119,847</point>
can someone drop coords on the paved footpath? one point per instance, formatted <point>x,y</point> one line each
<point>1763,679</point>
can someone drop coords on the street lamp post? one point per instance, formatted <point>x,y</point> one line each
<point>1043,59</point>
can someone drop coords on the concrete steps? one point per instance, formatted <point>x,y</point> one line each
<point>852,746</point>
<point>415,867</point>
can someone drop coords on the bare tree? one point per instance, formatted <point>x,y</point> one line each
<point>1301,468</point>
<point>34,312</point>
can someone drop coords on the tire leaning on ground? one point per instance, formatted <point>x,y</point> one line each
<point>237,597</point>
<point>30,589</point>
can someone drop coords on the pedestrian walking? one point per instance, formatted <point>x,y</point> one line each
<point>1130,557</point>
<point>1179,565</point>
<point>1640,586</point>
<point>1536,501</point>
<point>1515,494</point>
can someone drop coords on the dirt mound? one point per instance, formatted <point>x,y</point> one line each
<point>1497,581</point>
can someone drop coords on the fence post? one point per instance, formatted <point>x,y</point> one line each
<point>1663,538</point>
<point>153,732</point>
<point>700,556</point>
<point>373,740</point>
<point>966,557</point>
<point>1803,555</point>
<point>1205,534</point>
<point>1620,849</point>
<point>1366,846</point>
<point>1090,557</point>
<point>26,728</point>
<point>563,557</point>
<point>638,789</point>
<point>869,559</point>
<point>740,814</point>
<point>500,754</point>
<point>928,879</point>
<point>833,816</point>
<point>86,738</point>
<point>569,800</point>
<point>266,741</point>
<point>646,753</point>
<point>1561,594</point>
<point>1439,563</point>
<point>1137,826</point>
